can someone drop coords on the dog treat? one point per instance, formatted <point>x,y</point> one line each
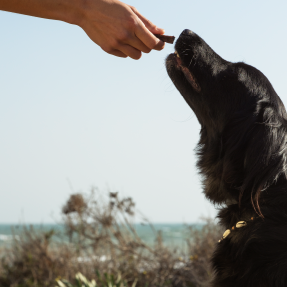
<point>165,38</point>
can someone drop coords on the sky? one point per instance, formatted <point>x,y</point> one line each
<point>73,117</point>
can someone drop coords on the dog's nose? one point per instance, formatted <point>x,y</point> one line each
<point>186,32</point>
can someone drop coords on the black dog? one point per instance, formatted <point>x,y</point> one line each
<point>242,158</point>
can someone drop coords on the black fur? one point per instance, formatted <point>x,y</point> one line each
<point>242,158</point>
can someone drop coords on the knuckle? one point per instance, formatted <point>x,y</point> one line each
<point>123,37</point>
<point>150,24</point>
<point>114,44</point>
<point>131,23</point>
<point>137,56</point>
<point>108,49</point>
<point>146,50</point>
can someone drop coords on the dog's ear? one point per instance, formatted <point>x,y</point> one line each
<point>265,156</point>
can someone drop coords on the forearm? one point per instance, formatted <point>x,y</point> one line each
<point>64,10</point>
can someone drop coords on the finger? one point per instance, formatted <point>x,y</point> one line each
<point>148,38</point>
<point>152,27</point>
<point>117,53</point>
<point>138,44</point>
<point>131,40</point>
<point>130,51</point>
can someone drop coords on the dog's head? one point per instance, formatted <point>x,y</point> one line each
<point>243,135</point>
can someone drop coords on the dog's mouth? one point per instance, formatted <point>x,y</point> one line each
<point>187,73</point>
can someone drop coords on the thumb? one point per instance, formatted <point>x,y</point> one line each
<point>149,25</point>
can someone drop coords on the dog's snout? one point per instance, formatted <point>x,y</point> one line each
<point>186,32</point>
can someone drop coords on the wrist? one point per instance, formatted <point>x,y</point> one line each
<point>75,12</point>
<point>87,9</point>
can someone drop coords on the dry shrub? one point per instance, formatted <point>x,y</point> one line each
<point>33,260</point>
<point>102,239</point>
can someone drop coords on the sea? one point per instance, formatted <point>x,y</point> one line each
<point>172,234</point>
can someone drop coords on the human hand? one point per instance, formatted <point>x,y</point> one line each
<point>119,29</point>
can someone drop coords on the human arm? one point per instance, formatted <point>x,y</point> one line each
<point>119,29</point>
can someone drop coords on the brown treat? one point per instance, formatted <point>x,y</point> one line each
<point>165,38</point>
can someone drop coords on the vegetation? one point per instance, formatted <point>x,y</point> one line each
<point>107,281</point>
<point>102,244</point>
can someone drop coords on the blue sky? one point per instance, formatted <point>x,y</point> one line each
<point>71,113</point>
